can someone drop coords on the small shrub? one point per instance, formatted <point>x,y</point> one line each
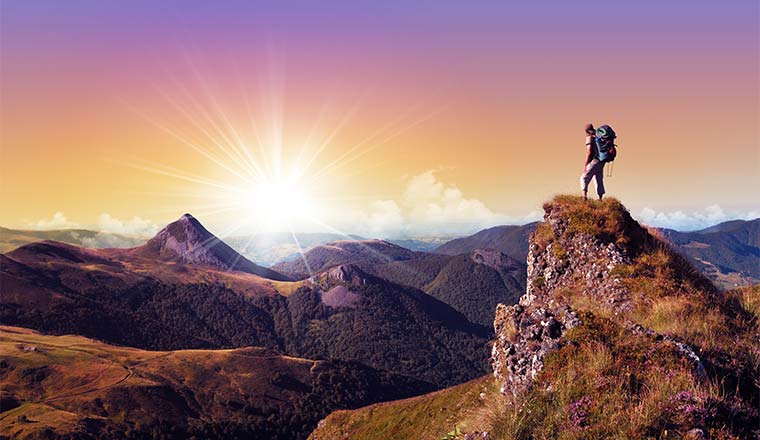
<point>543,235</point>
<point>452,435</point>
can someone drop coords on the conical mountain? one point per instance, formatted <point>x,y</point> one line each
<point>186,240</point>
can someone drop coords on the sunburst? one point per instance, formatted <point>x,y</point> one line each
<point>264,187</point>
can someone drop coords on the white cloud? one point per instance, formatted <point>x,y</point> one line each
<point>105,240</point>
<point>382,215</point>
<point>429,205</point>
<point>133,226</point>
<point>427,199</point>
<point>57,221</point>
<point>698,219</point>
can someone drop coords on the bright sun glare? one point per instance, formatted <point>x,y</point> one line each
<point>278,203</point>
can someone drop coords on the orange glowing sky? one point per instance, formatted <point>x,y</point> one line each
<point>431,116</point>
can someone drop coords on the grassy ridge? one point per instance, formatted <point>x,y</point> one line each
<point>58,386</point>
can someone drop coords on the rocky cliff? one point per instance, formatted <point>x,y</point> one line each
<point>592,261</point>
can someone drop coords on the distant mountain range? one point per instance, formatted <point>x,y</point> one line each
<point>472,283</point>
<point>728,253</point>
<point>266,248</point>
<point>509,239</point>
<point>184,288</point>
<point>12,238</point>
<point>271,247</point>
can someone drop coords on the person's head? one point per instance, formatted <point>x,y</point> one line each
<point>590,130</point>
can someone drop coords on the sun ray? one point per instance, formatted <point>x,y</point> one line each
<point>342,123</point>
<point>361,153</point>
<point>349,151</point>
<point>302,253</point>
<point>192,145</point>
<point>235,147</point>
<point>204,114</point>
<point>157,169</point>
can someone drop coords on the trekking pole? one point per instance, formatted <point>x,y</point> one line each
<point>609,170</point>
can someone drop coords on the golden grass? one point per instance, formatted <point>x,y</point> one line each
<point>287,288</point>
<point>611,384</point>
<point>427,417</point>
<point>543,235</point>
<point>749,298</point>
<point>593,217</point>
<point>39,417</point>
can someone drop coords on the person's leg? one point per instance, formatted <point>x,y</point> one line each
<point>586,179</point>
<point>599,175</point>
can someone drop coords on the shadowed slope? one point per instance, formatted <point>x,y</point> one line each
<point>509,239</point>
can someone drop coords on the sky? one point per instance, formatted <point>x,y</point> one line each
<point>378,118</point>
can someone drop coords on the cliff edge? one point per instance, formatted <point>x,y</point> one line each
<point>616,322</point>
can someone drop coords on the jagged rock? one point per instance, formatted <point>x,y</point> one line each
<point>582,262</point>
<point>524,337</point>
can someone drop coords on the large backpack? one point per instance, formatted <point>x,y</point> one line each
<point>605,143</point>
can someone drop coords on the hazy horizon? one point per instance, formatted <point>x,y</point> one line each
<point>146,230</point>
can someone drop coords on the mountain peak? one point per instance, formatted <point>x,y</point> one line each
<point>186,240</point>
<point>343,274</point>
<point>185,228</point>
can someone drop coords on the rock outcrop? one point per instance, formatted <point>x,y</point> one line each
<point>571,256</point>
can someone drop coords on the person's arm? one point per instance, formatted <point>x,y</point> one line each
<point>589,139</point>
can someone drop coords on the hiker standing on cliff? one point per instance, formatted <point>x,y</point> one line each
<point>600,149</point>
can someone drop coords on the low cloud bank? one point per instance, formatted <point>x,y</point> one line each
<point>693,220</point>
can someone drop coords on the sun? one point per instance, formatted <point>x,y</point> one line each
<point>275,204</point>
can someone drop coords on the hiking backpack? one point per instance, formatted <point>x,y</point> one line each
<point>605,143</point>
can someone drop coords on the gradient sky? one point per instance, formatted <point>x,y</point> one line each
<point>443,115</point>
